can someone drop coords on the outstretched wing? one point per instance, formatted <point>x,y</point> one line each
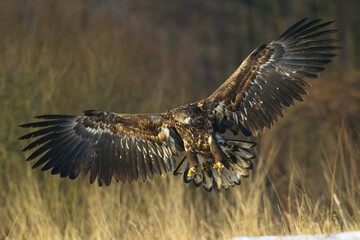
<point>126,146</point>
<point>271,77</point>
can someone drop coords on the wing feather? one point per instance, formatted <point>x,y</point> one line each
<point>74,170</point>
<point>271,78</point>
<point>126,147</point>
<point>122,163</point>
<point>146,160</point>
<point>140,161</point>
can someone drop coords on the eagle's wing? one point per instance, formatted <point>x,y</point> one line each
<point>126,146</point>
<point>271,77</point>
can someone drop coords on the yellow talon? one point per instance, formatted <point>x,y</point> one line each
<point>191,171</point>
<point>219,166</point>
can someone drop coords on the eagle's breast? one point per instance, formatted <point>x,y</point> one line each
<point>197,142</point>
<point>195,129</point>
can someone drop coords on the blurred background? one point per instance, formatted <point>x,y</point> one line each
<point>149,56</point>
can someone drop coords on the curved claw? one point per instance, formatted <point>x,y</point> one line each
<point>191,171</point>
<point>219,166</point>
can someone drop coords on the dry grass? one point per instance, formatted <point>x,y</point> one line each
<point>41,206</point>
<point>62,58</point>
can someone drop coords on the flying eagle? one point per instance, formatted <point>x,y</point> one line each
<point>128,147</point>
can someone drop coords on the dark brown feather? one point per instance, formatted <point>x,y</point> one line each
<point>106,144</point>
<point>271,77</point>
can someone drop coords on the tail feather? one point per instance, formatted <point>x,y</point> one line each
<point>237,165</point>
<point>182,167</point>
<point>208,182</point>
<point>244,154</point>
<point>198,179</point>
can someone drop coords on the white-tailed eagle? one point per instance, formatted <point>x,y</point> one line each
<point>128,147</point>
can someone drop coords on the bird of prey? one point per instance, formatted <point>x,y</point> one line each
<point>188,139</point>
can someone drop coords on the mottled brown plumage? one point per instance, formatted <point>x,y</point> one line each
<point>128,147</point>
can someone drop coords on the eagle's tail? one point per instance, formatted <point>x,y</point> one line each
<point>237,165</point>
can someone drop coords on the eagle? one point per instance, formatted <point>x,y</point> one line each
<point>189,139</point>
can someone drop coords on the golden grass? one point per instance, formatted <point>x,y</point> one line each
<point>65,58</point>
<point>41,206</point>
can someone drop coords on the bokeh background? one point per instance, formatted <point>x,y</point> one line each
<point>150,56</point>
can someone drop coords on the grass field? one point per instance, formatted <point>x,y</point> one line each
<point>307,174</point>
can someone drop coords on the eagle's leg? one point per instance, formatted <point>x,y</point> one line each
<point>218,153</point>
<point>193,161</point>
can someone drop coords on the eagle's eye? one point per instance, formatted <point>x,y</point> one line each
<point>188,120</point>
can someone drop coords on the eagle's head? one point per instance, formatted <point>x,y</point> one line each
<point>187,115</point>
